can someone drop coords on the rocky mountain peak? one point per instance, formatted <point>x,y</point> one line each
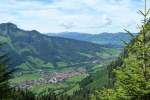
<point>7,27</point>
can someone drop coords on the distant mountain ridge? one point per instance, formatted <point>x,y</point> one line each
<point>102,38</point>
<point>32,50</point>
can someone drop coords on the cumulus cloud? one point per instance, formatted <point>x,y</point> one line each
<point>92,16</point>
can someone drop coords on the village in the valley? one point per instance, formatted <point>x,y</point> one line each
<point>50,78</point>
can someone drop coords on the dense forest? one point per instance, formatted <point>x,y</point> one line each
<point>128,77</point>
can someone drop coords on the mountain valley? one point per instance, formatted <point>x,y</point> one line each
<point>33,53</point>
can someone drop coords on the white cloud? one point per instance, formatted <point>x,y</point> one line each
<point>89,16</point>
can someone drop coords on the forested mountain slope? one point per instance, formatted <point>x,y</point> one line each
<point>37,56</point>
<point>33,47</point>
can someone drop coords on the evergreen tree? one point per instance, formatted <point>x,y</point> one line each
<point>4,76</point>
<point>132,78</point>
<point>22,95</point>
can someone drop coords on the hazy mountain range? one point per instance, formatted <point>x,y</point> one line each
<point>114,39</point>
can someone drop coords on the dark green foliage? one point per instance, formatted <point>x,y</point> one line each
<point>4,75</point>
<point>4,85</point>
<point>132,70</point>
<point>50,96</point>
<point>96,80</point>
<point>22,95</point>
<point>27,95</point>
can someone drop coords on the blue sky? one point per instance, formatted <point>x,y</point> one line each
<point>86,16</point>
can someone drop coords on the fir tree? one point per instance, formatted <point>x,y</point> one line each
<point>4,76</point>
<point>132,78</point>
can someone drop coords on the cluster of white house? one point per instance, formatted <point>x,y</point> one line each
<point>52,78</point>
